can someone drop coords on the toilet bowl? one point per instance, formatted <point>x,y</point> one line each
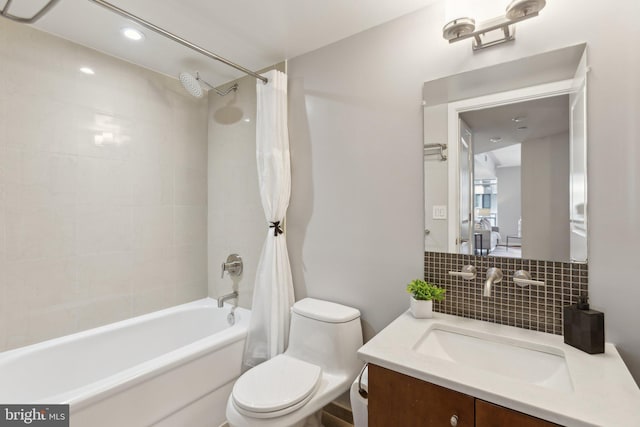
<point>317,367</point>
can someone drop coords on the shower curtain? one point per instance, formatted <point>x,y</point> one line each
<point>273,290</point>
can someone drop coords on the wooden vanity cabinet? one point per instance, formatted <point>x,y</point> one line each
<point>490,415</point>
<point>400,400</point>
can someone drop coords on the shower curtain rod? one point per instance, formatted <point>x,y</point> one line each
<point>175,38</point>
<point>5,13</point>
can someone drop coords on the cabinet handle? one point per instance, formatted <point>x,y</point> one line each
<point>454,420</point>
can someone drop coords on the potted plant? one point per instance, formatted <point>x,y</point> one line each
<point>422,296</point>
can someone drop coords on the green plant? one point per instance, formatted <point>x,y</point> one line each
<point>422,290</point>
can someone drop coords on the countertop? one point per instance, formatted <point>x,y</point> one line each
<point>604,392</point>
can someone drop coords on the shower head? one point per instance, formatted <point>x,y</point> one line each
<point>192,85</point>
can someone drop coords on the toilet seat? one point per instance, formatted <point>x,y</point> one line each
<point>276,387</point>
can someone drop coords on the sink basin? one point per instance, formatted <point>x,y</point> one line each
<point>519,360</point>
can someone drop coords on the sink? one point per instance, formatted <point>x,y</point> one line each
<point>537,364</point>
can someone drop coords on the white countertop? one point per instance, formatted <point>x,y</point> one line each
<point>604,392</point>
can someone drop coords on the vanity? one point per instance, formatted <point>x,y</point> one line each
<point>455,371</point>
<point>504,158</point>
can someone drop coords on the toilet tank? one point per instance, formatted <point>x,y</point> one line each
<point>326,334</point>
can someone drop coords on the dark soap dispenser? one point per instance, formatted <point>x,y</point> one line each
<point>583,328</point>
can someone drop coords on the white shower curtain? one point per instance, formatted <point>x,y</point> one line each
<point>273,290</point>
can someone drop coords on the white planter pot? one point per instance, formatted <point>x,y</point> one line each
<point>421,309</point>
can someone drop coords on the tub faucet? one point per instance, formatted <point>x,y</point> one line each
<point>494,275</point>
<point>223,298</point>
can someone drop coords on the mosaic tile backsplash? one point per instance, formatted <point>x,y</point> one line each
<point>538,308</point>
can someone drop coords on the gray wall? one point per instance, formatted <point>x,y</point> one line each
<point>509,202</point>
<point>545,191</point>
<point>356,218</point>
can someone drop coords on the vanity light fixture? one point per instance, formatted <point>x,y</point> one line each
<point>132,34</point>
<point>492,31</point>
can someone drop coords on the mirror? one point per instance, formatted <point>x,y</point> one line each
<point>505,159</point>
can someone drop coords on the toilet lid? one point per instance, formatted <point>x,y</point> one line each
<point>276,384</point>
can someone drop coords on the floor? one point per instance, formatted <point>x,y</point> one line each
<point>333,415</point>
<point>336,415</point>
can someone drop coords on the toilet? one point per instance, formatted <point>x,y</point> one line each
<point>319,365</point>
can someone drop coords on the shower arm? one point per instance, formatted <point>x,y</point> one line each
<point>232,88</point>
<point>177,39</point>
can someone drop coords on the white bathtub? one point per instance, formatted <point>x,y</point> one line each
<point>173,367</point>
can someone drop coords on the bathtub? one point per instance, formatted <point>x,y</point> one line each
<point>173,367</point>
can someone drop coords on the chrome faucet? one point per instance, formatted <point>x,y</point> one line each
<point>494,275</point>
<point>223,298</point>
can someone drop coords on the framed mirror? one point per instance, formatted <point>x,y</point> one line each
<point>505,159</point>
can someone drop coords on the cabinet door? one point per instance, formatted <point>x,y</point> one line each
<point>490,415</point>
<point>399,400</point>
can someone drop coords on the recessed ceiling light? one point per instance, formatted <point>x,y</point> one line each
<point>518,119</point>
<point>495,139</point>
<point>132,34</point>
<point>87,70</point>
<point>523,127</point>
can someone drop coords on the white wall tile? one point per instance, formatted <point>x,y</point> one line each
<point>101,178</point>
<point>98,312</point>
<point>153,299</point>
<point>104,181</point>
<point>50,322</point>
<point>191,266</point>
<point>153,267</point>
<point>190,186</point>
<point>107,136</point>
<point>105,275</point>
<point>190,225</point>
<point>152,182</point>
<point>153,227</point>
<point>104,228</point>
<point>41,233</point>
<point>47,124</point>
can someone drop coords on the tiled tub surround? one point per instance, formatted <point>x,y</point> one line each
<point>103,189</point>
<point>533,307</point>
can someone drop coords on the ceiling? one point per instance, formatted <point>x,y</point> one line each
<point>253,33</point>
<point>540,118</point>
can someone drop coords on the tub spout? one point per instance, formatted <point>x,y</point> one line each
<point>494,275</point>
<point>223,298</point>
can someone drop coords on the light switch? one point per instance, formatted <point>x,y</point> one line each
<point>439,212</point>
